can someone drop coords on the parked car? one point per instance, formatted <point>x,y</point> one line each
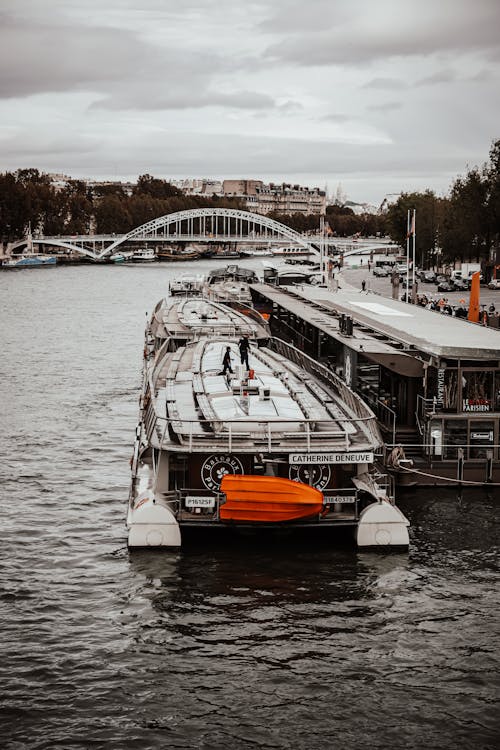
<point>381,271</point>
<point>446,286</point>
<point>428,277</point>
<point>461,285</point>
<point>494,284</point>
<point>440,278</point>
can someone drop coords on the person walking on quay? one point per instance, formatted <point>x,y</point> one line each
<point>363,285</point>
<point>244,346</point>
<point>226,362</point>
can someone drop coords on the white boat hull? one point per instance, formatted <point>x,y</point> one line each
<point>152,524</point>
<point>382,525</point>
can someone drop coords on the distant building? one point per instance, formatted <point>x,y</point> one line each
<point>60,181</point>
<point>283,198</point>
<point>195,186</point>
<point>127,187</point>
<point>361,208</point>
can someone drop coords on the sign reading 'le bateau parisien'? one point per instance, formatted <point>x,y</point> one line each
<point>331,458</point>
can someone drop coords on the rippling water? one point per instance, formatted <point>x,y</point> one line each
<point>284,644</point>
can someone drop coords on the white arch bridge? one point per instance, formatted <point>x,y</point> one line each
<point>218,225</point>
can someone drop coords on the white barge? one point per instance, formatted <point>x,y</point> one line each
<point>280,442</point>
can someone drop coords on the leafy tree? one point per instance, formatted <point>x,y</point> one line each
<point>111,215</point>
<point>79,207</point>
<point>492,173</point>
<point>465,226</point>
<point>13,208</point>
<point>428,210</point>
<point>156,188</point>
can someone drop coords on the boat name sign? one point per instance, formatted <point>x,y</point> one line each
<point>331,458</point>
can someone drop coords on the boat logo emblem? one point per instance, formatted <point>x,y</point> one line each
<point>216,467</point>
<point>316,475</point>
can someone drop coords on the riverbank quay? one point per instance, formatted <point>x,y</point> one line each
<point>432,380</point>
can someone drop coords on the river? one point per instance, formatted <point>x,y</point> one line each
<point>283,644</point>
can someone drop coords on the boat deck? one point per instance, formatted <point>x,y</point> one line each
<point>192,317</point>
<point>280,405</point>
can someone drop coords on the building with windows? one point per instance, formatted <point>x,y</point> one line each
<point>283,198</point>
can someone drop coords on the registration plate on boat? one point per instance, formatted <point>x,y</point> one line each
<point>344,499</point>
<point>200,502</point>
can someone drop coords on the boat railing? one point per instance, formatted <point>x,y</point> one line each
<point>276,436</point>
<point>387,417</point>
<point>249,312</point>
<point>426,406</point>
<point>361,413</point>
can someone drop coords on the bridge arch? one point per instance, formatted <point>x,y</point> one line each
<point>220,220</point>
<point>53,242</point>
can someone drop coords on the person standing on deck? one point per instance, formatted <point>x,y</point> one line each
<point>244,346</point>
<point>226,362</point>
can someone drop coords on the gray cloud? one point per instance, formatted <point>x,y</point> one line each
<point>390,84</point>
<point>175,152</point>
<point>122,69</point>
<point>448,27</point>
<point>41,58</point>
<point>144,98</point>
<point>441,76</point>
<point>100,85</point>
<point>385,107</point>
<point>338,117</point>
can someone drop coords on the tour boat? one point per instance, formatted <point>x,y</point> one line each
<point>187,284</point>
<point>32,260</point>
<point>187,253</point>
<point>143,255</point>
<point>256,252</point>
<point>282,442</point>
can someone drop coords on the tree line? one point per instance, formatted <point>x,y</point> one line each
<point>464,225</point>
<point>30,198</point>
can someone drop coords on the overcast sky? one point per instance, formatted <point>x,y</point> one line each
<point>378,95</point>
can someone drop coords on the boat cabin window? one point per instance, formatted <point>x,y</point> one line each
<point>455,436</point>
<point>475,436</point>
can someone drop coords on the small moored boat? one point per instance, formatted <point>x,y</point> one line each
<point>31,260</point>
<point>268,499</point>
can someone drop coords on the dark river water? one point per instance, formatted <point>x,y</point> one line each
<point>245,644</point>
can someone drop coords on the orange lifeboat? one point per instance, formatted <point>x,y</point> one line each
<point>268,499</point>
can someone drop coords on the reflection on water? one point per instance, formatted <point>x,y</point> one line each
<point>236,642</point>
